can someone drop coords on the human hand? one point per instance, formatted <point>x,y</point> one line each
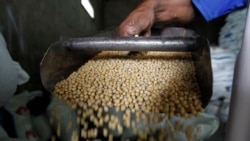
<point>139,21</point>
<point>149,12</point>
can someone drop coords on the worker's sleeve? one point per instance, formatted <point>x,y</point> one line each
<point>211,9</point>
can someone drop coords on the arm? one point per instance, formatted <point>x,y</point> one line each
<point>140,20</point>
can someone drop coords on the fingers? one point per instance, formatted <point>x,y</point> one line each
<point>139,21</point>
<point>128,30</point>
<point>134,29</point>
<point>131,27</point>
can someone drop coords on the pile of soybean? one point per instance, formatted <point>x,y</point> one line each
<point>119,90</point>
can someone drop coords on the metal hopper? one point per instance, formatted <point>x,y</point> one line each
<point>64,57</point>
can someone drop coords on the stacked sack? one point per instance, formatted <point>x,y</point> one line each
<point>223,59</point>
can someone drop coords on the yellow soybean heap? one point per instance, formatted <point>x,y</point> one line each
<point>140,83</point>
